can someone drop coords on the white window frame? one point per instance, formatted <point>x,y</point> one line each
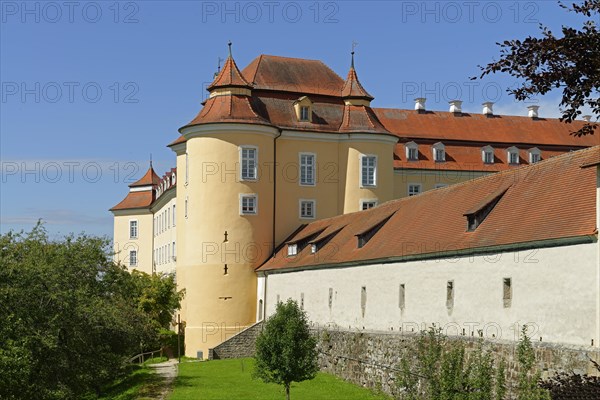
<point>292,249</point>
<point>509,152</point>
<point>439,147</point>
<point>314,208</point>
<point>419,185</point>
<point>174,252</point>
<point>487,151</point>
<point>313,167</point>
<point>133,261</point>
<point>253,176</point>
<point>137,229</point>
<point>249,196</point>
<point>535,152</point>
<point>364,157</point>
<point>174,215</point>
<point>362,202</point>
<point>412,146</point>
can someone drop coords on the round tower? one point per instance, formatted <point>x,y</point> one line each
<point>367,151</point>
<point>225,219</point>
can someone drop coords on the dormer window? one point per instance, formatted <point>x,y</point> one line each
<point>366,235</point>
<point>412,151</point>
<point>487,154</point>
<point>292,249</point>
<point>313,248</point>
<point>303,108</point>
<point>535,155</point>
<point>513,155</point>
<point>439,152</point>
<point>479,213</point>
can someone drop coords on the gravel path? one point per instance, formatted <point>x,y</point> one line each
<point>168,371</point>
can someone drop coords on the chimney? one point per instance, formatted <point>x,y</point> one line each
<point>587,118</point>
<point>533,111</point>
<point>455,106</point>
<point>420,104</point>
<point>488,109</point>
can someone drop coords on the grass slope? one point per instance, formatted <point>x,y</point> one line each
<point>140,383</point>
<point>232,379</point>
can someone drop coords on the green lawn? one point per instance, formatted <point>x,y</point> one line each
<point>232,379</point>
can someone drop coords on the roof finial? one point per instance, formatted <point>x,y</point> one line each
<point>150,160</point>
<point>354,44</point>
<point>229,44</point>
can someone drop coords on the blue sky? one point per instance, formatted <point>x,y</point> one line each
<point>91,89</point>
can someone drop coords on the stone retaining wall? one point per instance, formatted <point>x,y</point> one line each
<point>370,359</point>
<point>242,344</point>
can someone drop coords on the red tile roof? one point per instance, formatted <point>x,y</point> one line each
<point>135,200</point>
<point>228,108</point>
<point>445,126</point>
<point>229,76</point>
<point>293,75</point>
<point>353,89</point>
<point>361,119</point>
<point>552,199</point>
<point>149,178</point>
<point>278,81</point>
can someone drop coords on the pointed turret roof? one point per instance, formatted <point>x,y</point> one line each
<point>230,75</point>
<point>352,87</point>
<point>149,179</point>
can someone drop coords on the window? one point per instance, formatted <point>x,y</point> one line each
<point>487,154</point>
<point>168,218</point>
<point>535,155</point>
<point>440,185</point>
<point>292,249</point>
<point>506,292</point>
<point>185,209</point>
<point>367,204</point>
<point>248,156</point>
<point>439,152</point>
<point>307,169</point>
<point>304,113</point>
<point>133,258</point>
<point>248,204</point>
<point>174,218</point>
<point>401,296</point>
<point>174,252</point>
<point>363,300</point>
<point>133,229</point>
<point>412,151</point>
<point>368,170</point>
<point>330,300</point>
<point>307,208</point>
<point>313,248</point>
<point>414,189</point>
<point>450,294</point>
<point>513,155</point>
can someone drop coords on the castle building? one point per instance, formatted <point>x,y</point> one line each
<point>286,142</point>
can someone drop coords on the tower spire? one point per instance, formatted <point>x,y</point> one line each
<point>229,44</point>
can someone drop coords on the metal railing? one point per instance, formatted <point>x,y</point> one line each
<point>141,358</point>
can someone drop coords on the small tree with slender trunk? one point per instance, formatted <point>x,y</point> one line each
<point>285,350</point>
